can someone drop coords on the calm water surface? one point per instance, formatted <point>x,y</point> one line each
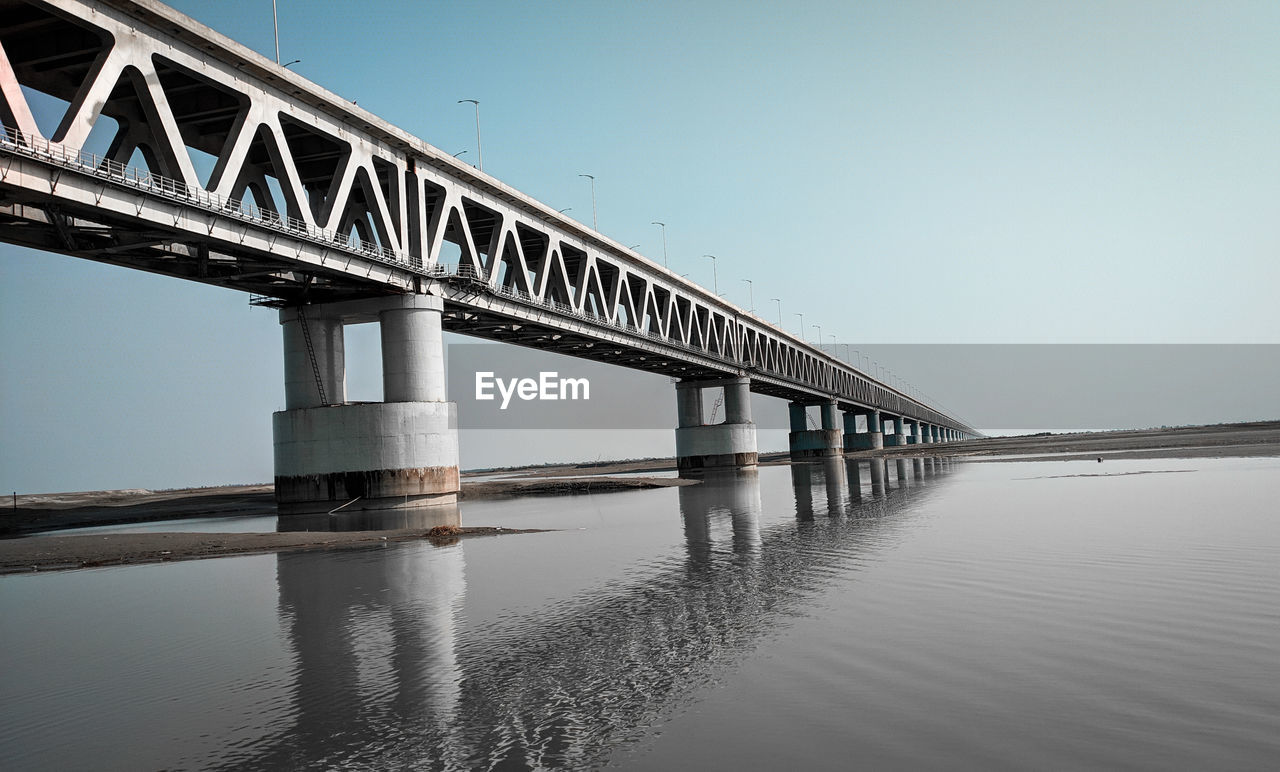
<point>1049,615</point>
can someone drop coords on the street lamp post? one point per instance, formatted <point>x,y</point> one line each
<point>479,150</point>
<point>797,313</point>
<point>715,282</point>
<point>779,302</point>
<point>665,264</point>
<point>594,225</point>
<point>818,327</point>
<point>751,294</point>
<point>275,22</point>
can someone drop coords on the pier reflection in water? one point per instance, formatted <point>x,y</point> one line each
<point>421,518</point>
<point>387,674</point>
<point>728,496</point>
<point>374,645</point>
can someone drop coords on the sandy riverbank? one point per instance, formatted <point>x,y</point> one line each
<point>54,512</point>
<point>94,551</point>
<point>1260,438</point>
<point>37,513</point>
<point>44,512</point>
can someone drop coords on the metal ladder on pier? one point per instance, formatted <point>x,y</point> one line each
<point>311,354</point>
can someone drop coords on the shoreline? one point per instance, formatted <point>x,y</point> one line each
<point>43,513</point>
<point>73,552</point>
<point>1255,438</point>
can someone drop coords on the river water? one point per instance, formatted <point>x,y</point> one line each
<point>1046,615</point>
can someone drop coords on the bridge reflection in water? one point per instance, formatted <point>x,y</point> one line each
<point>390,672</point>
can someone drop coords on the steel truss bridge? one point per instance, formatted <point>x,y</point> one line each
<point>312,199</point>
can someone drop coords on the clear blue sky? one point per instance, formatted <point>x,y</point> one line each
<point>928,172</point>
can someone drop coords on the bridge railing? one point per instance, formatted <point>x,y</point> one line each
<point>117,173</point>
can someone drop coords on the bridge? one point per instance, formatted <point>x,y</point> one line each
<point>183,153</point>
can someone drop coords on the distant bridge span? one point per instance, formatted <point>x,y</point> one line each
<point>259,180</point>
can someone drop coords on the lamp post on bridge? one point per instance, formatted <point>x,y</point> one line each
<point>751,294</point>
<point>818,327</point>
<point>779,302</point>
<point>594,225</point>
<point>797,313</point>
<point>715,282</point>
<point>275,23</point>
<point>479,150</point>
<point>663,225</point>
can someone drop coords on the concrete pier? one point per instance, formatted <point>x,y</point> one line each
<point>871,439</point>
<point>896,435</point>
<point>402,452</point>
<point>727,445</point>
<point>806,443</point>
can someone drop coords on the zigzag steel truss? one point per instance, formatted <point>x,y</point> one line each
<point>312,199</point>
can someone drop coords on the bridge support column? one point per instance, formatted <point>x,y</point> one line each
<point>912,432</point>
<point>896,436</point>
<point>871,439</point>
<point>302,381</point>
<point>728,445</point>
<point>814,443</point>
<point>400,453</point>
<point>850,428</point>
